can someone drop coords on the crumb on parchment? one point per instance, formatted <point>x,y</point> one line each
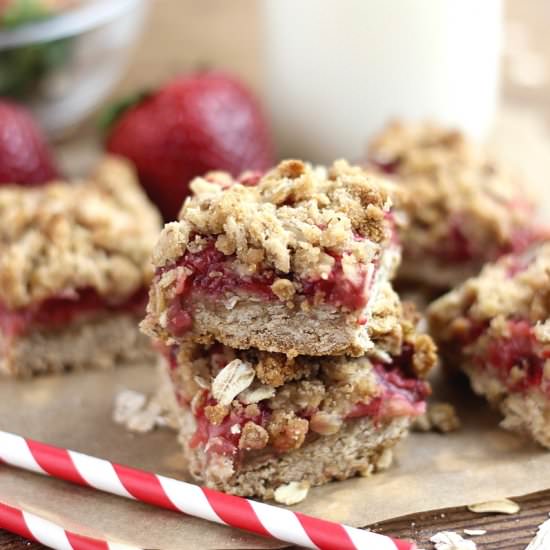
<point>140,413</point>
<point>292,492</point>
<point>440,417</point>
<point>449,540</point>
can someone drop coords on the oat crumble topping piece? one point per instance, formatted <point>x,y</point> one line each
<point>65,236</point>
<point>496,328</point>
<point>74,268</point>
<point>280,266</point>
<point>439,417</point>
<point>463,208</point>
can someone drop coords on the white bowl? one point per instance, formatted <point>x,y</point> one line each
<point>92,43</point>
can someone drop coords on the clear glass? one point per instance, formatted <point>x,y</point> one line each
<point>64,67</point>
<point>337,70</point>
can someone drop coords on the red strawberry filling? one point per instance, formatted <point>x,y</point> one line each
<point>59,311</point>
<point>399,396</point>
<point>213,274</point>
<point>388,167</point>
<point>458,248</point>
<point>224,438</point>
<point>518,358</point>
<point>338,290</point>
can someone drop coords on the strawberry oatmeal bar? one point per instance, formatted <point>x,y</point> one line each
<point>289,262</point>
<point>74,269</point>
<point>463,210</point>
<point>496,327</point>
<point>252,421</point>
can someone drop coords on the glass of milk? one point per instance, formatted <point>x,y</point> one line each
<point>337,70</point>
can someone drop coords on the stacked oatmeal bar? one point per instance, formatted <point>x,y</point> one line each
<point>290,355</point>
<point>464,209</point>
<point>74,269</point>
<point>496,328</point>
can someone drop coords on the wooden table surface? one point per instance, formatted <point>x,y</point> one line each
<point>213,18</point>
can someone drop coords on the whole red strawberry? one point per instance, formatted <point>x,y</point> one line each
<point>196,123</point>
<point>24,155</point>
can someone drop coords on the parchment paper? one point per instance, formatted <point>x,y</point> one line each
<point>430,471</point>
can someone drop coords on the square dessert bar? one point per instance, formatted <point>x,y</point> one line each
<point>74,272</point>
<point>290,262</point>
<point>496,328</point>
<point>463,209</point>
<point>252,421</point>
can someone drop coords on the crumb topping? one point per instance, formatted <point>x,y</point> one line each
<point>293,220</point>
<point>496,326</point>
<point>441,417</point>
<point>516,286</point>
<point>287,431</point>
<point>253,437</point>
<point>62,237</point>
<point>461,206</point>
<point>393,328</point>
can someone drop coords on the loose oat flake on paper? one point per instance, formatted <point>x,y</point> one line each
<point>292,492</point>
<point>449,540</point>
<point>502,506</point>
<point>474,532</point>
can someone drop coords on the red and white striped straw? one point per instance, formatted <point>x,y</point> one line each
<point>179,496</point>
<point>48,533</point>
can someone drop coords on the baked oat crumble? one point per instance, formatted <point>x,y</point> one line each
<point>495,327</point>
<point>62,237</point>
<point>463,208</point>
<point>287,221</point>
<point>517,285</point>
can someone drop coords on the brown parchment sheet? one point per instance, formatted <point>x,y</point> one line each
<point>430,470</point>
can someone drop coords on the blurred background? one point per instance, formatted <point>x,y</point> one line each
<point>328,76</point>
<point>184,34</point>
<point>180,35</point>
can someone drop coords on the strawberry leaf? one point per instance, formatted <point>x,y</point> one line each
<point>109,116</point>
<point>24,11</point>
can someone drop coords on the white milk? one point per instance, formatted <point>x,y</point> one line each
<point>337,70</point>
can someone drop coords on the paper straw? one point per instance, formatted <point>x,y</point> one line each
<point>48,533</point>
<point>179,496</point>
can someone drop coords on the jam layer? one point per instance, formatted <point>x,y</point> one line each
<point>60,311</point>
<point>212,274</point>
<point>398,396</point>
<point>517,357</point>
